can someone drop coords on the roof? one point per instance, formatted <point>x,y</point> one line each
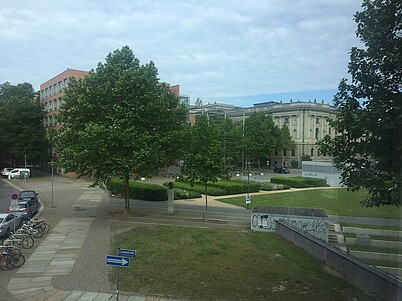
<point>279,210</point>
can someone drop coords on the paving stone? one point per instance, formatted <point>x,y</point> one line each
<point>103,297</point>
<point>136,298</point>
<point>42,296</point>
<point>74,295</point>
<point>88,296</point>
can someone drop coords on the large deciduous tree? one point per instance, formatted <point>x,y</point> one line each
<point>368,146</point>
<point>21,123</point>
<point>119,121</point>
<point>204,157</point>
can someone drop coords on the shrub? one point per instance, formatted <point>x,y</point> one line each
<point>137,190</point>
<point>266,186</point>
<point>218,188</point>
<point>299,182</point>
<point>294,164</point>
<point>180,194</point>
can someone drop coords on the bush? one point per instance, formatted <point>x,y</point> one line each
<point>266,186</point>
<point>137,190</point>
<point>294,164</point>
<point>219,188</point>
<point>180,194</point>
<point>300,182</point>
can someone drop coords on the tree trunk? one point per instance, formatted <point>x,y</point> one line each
<point>126,195</point>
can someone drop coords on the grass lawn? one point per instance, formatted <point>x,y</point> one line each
<point>221,264</point>
<point>337,201</point>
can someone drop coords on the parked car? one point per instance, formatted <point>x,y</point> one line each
<point>278,169</point>
<point>31,195</point>
<point>27,209</point>
<point>5,171</point>
<point>18,173</point>
<point>7,223</point>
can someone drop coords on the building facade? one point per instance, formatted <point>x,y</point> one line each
<point>52,93</point>
<point>307,121</point>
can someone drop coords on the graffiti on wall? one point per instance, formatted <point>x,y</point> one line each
<point>317,227</point>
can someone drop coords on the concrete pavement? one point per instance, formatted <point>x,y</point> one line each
<point>69,263</point>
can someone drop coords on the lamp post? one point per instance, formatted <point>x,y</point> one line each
<point>248,200</point>
<point>51,163</point>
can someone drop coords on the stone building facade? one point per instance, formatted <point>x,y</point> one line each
<point>308,122</point>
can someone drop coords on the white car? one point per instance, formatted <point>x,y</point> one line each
<point>18,173</point>
<point>6,171</point>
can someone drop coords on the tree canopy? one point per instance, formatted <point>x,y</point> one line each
<point>21,123</point>
<point>262,137</point>
<point>368,147</point>
<point>204,156</point>
<point>119,121</point>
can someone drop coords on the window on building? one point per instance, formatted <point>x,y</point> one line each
<point>318,153</point>
<point>317,120</point>
<point>55,104</point>
<point>46,91</point>
<point>65,82</point>
<point>60,86</point>
<point>293,153</point>
<point>317,133</point>
<point>54,88</point>
<point>286,119</point>
<point>312,152</point>
<point>329,131</point>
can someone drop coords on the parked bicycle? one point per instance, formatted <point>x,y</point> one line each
<point>10,257</point>
<point>22,239</point>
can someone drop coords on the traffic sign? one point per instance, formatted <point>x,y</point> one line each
<point>118,261</point>
<point>14,196</point>
<point>128,253</point>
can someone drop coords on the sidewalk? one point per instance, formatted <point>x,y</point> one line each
<point>69,263</point>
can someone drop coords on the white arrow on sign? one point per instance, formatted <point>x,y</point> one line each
<point>118,261</point>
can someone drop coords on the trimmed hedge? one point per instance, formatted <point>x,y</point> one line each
<point>219,188</point>
<point>141,191</point>
<point>300,182</point>
<point>266,186</point>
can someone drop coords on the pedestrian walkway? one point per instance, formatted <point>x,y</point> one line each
<point>58,254</point>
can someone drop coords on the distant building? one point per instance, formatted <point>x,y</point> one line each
<point>307,121</point>
<point>52,93</point>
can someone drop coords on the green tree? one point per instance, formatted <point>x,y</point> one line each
<point>119,121</point>
<point>204,156</point>
<point>230,135</point>
<point>21,123</point>
<point>368,147</point>
<point>260,137</point>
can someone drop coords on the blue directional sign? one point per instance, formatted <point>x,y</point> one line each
<point>128,253</point>
<point>118,261</point>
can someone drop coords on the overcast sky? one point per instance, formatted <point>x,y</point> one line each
<point>212,49</point>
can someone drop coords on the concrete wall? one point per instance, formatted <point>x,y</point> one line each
<point>364,276</point>
<point>316,226</point>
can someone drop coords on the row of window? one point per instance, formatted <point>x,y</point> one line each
<point>54,89</point>
<point>50,120</point>
<point>286,119</point>
<point>54,104</point>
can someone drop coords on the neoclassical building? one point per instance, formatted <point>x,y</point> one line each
<point>308,122</point>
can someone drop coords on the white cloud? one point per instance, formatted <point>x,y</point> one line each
<point>211,48</point>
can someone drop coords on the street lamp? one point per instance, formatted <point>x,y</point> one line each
<point>248,200</point>
<point>51,163</point>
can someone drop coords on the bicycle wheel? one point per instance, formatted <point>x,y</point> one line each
<point>6,263</point>
<point>39,232</point>
<point>47,227</point>
<point>18,260</point>
<point>27,242</point>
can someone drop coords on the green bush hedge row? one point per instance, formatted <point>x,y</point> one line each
<point>300,182</point>
<point>219,188</point>
<point>148,192</point>
<point>266,186</point>
<point>137,190</point>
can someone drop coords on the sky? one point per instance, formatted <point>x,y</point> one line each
<point>228,51</point>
